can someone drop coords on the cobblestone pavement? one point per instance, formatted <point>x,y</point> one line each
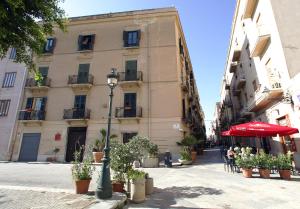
<point>22,199</point>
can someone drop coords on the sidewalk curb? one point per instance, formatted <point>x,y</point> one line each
<point>117,201</point>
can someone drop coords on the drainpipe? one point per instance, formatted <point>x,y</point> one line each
<point>149,82</point>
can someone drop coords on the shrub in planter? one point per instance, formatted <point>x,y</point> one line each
<point>283,163</point>
<point>137,190</point>
<point>264,163</point>
<point>118,182</point>
<point>246,161</point>
<point>99,145</point>
<point>82,172</point>
<point>185,156</point>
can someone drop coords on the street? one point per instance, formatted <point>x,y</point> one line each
<point>203,185</point>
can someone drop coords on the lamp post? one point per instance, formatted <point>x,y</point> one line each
<point>104,188</point>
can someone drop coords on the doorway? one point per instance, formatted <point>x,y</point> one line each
<point>130,105</point>
<point>30,147</point>
<point>76,140</point>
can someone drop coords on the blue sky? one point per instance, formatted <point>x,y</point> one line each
<point>206,25</point>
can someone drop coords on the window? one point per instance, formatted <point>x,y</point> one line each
<point>44,71</point>
<point>86,42</point>
<point>4,107</point>
<point>131,70</point>
<point>34,109</point>
<point>255,87</point>
<point>131,38</point>
<point>13,53</point>
<point>49,46</point>
<point>128,136</point>
<point>9,80</point>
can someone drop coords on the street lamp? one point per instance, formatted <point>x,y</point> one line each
<point>104,188</point>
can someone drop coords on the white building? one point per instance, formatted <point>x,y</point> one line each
<point>12,77</point>
<point>262,74</point>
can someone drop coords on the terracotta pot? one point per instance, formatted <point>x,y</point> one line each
<point>98,157</point>
<point>137,190</point>
<point>264,173</point>
<point>82,186</point>
<point>194,156</point>
<point>117,186</point>
<point>149,186</point>
<point>285,174</point>
<point>247,172</point>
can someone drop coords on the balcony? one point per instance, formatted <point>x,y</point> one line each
<point>250,8</point>
<point>245,113</point>
<point>233,67</point>
<point>241,81</point>
<point>184,86</point>
<point>30,116</point>
<point>128,113</point>
<point>81,83</point>
<point>262,41</point>
<point>264,98</point>
<point>236,55</point>
<point>236,92</point>
<point>77,116</point>
<point>130,80</point>
<point>37,86</point>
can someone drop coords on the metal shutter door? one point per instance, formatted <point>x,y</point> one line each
<point>30,147</point>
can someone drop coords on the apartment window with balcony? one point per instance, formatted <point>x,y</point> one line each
<point>49,45</point>
<point>4,107</point>
<point>183,109</point>
<point>9,80</point>
<point>13,53</point>
<point>131,70</point>
<point>181,51</point>
<point>128,136</point>
<point>131,38</point>
<point>83,73</point>
<point>86,42</point>
<point>34,109</point>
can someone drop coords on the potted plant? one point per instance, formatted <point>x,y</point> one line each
<point>137,190</point>
<point>283,163</point>
<point>148,184</point>
<point>189,142</point>
<point>185,156</point>
<point>82,172</point>
<point>151,160</point>
<point>122,159</point>
<point>246,162</point>
<point>264,164</point>
<point>38,77</point>
<point>99,145</point>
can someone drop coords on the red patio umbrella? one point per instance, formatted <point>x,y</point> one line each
<point>225,133</point>
<point>260,129</point>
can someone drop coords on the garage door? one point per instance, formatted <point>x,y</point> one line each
<point>30,147</point>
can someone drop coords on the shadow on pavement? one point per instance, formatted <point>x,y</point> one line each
<point>165,198</point>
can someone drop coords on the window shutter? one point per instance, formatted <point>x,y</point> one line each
<point>139,36</point>
<point>53,45</point>
<point>92,41</point>
<point>43,105</point>
<point>29,103</point>
<point>125,38</point>
<point>80,37</point>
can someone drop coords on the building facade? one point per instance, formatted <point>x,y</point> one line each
<point>12,77</point>
<point>261,79</point>
<point>156,95</point>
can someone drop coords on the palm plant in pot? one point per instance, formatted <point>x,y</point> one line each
<point>246,161</point>
<point>264,163</point>
<point>99,145</point>
<point>82,172</point>
<point>137,191</point>
<point>185,156</point>
<point>283,163</point>
<point>189,142</point>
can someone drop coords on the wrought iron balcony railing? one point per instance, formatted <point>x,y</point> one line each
<point>76,114</point>
<point>30,114</point>
<point>75,79</point>
<point>128,112</point>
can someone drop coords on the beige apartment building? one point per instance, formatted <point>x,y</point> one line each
<point>262,74</point>
<point>12,78</point>
<point>156,94</point>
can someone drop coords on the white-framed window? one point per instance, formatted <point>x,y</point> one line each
<point>4,107</point>
<point>9,80</point>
